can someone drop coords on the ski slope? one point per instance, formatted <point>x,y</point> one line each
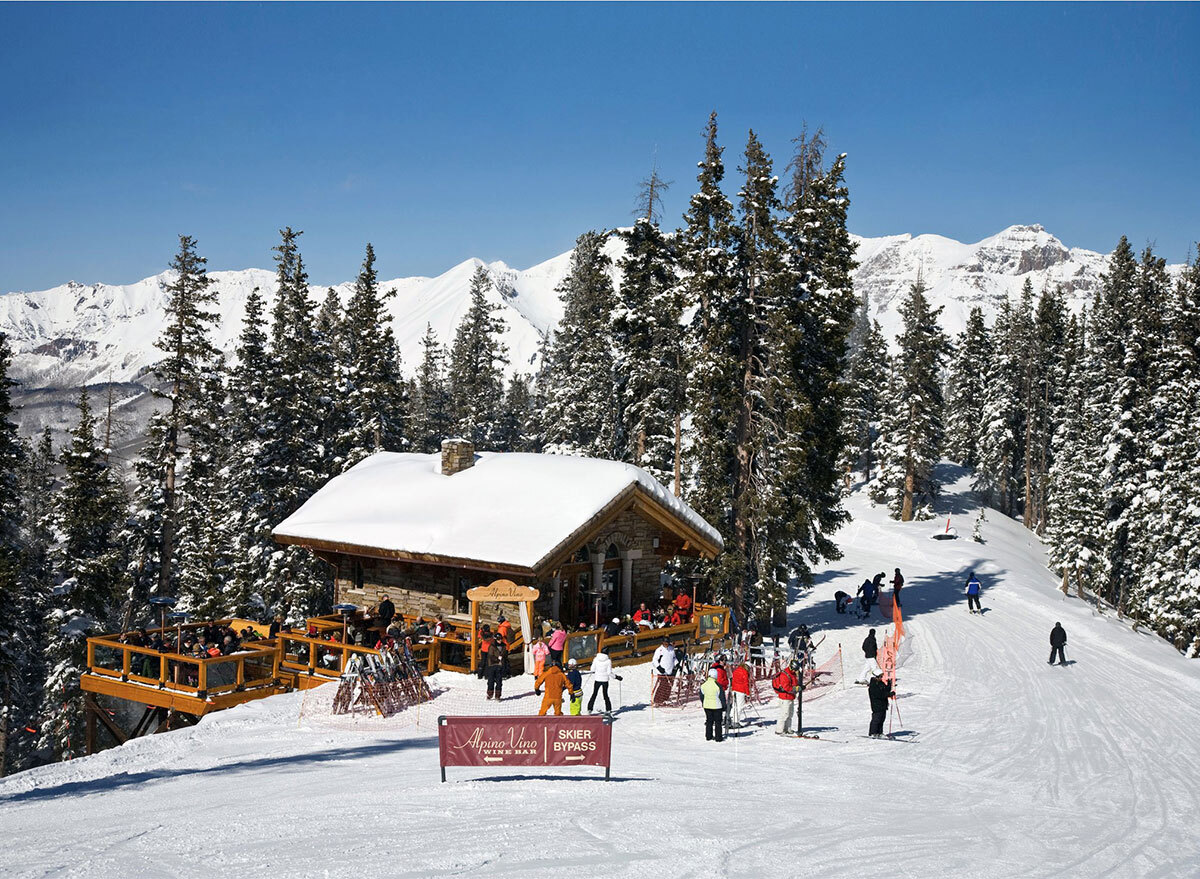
<point>1014,768</point>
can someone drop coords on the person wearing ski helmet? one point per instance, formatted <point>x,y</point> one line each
<point>878,691</point>
<point>712,699</point>
<point>575,679</point>
<point>785,684</point>
<point>973,589</point>
<point>1058,640</point>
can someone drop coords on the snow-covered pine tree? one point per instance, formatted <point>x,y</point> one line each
<point>31,602</point>
<point>14,646</point>
<point>516,429</point>
<point>1169,579</point>
<point>1002,424</point>
<point>432,418</point>
<point>329,363</point>
<point>580,416</point>
<point>250,479</point>
<point>376,400</point>
<point>293,456</point>
<point>971,363</point>
<point>650,369</point>
<point>912,435</point>
<point>91,509</point>
<point>867,379</point>
<point>808,342</point>
<point>1044,396</point>
<point>477,360</point>
<point>206,539</point>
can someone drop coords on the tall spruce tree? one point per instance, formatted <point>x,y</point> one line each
<point>971,364</point>
<point>1002,421</point>
<point>91,510</point>
<point>432,415</point>
<point>376,401</point>
<point>912,435</point>
<point>867,379</point>
<point>14,644</point>
<point>580,414</point>
<point>477,360</point>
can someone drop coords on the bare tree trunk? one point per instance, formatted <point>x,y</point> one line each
<point>678,455</point>
<point>1027,518</point>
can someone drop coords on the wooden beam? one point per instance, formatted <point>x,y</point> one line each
<point>117,733</point>
<point>375,552</point>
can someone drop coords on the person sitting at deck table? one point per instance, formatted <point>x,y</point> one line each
<point>611,630</point>
<point>643,617</point>
<point>384,611</point>
<point>676,618</point>
<point>439,627</point>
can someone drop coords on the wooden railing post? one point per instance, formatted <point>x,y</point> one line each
<point>202,681</point>
<point>312,657</point>
<point>240,677</point>
<point>91,654</point>
<point>125,662</point>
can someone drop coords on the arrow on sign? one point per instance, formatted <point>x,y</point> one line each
<point>577,757</point>
<point>492,759</point>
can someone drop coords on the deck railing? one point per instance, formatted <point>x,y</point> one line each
<point>250,668</point>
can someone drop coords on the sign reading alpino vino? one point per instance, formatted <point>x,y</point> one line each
<point>525,741</point>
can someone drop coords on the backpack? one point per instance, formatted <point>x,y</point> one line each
<point>781,683</point>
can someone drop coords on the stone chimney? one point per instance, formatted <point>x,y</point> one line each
<point>457,454</point>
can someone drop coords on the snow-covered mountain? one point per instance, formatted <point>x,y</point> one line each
<point>78,334</point>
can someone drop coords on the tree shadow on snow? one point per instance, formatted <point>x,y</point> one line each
<point>129,779</point>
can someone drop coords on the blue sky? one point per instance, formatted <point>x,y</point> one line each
<point>445,131</point>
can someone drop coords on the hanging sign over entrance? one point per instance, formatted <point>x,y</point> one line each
<point>503,590</point>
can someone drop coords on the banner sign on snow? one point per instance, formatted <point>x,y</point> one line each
<point>525,741</point>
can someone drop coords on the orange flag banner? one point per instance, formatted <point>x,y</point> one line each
<point>897,619</point>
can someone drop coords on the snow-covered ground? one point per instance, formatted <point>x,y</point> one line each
<point>1015,768</point>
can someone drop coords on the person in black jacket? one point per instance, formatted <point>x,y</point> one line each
<point>384,611</point>
<point>897,585</point>
<point>870,651</point>
<point>879,692</point>
<point>497,666</point>
<point>1058,639</point>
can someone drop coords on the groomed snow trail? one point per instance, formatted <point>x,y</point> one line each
<point>1017,768</point>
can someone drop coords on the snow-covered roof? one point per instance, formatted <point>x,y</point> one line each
<point>510,509</point>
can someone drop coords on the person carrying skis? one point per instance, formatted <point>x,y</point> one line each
<point>554,682</point>
<point>739,686</point>
<point>897,585</point>
<point>712,699</point>
<point>879,691</point>
<point>973,587</point>
<point>497,666</point>
<point>1058,640</point>
<point>784,684</point>
<point>602,673</point>
<point>870,649</point>
<point>575,680</point>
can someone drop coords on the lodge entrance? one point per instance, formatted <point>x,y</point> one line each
<point>584,598</point>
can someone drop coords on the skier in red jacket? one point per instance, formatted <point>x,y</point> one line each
<point>740,684</point>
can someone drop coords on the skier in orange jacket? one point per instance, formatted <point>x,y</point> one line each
<point>554,682</point>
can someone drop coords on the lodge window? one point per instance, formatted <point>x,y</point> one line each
<point>358,575</point>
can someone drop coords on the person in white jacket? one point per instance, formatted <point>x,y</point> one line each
<point>663,662</point>
<point>602,673</point>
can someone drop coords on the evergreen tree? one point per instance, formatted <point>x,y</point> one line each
<point>1002,422</point>
<point>1043,401</point>
<point>650,350</point>
<point>867,379</point>
<point>477,360</point>
<point>91,509</point>
<point>432,418</point>
<point>580,413</point>
<point>330,370</point>
<point>375,394</point>
<point>515,431</point>
<point>14,646</point>
<point>972,362</point>
<point>912,434</point>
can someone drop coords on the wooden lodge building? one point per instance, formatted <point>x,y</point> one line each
<point>591,535</point>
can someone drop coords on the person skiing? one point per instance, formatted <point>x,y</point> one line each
<point>1058,640</point>
<point>973,587</point>
<point>879,691</point>
<point>870,649</point>
<point>712,699</point>
<point>897,585</point>
<point>497,665</point>
<point>840,600</point>
<point>602,673</point>
<point>784,684</point>
<point>575,680</point>
<point>740,687</point>
<point>554,682</point>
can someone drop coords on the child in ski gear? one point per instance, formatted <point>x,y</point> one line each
<point>870,649</point>
<point>740,686</point>
<point>784,684</point>
<point>879,691</point>
<point>540,652</point>
<point>973,587</point>
<point>575,680</point>
<point>602,673</point>
<point>1058,640</point>
<point>897,585</point>
<point>841,599</point>
<point>497,665</point>
<point>712,699</point>
<point>554,682</point>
